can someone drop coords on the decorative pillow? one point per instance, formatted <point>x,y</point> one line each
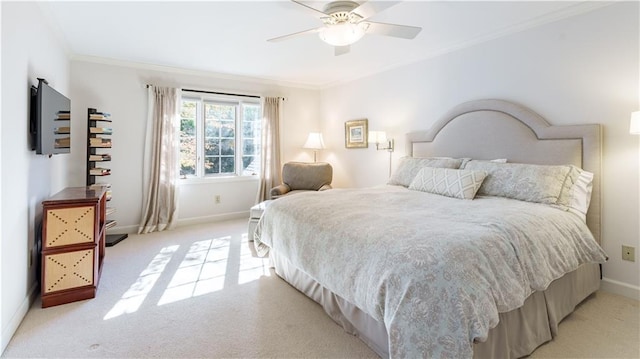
<point>525,182</point>
<point>461,184</point>
<point>576,191</point>
<point>409,166</point>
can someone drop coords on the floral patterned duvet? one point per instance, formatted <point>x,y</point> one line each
<point>436,270</point>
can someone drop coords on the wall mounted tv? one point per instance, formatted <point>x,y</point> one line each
<point>50,125</point>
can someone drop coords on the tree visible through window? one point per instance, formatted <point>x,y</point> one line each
<point>219,137</point>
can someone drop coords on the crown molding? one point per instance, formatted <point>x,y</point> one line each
<point>193,72</point>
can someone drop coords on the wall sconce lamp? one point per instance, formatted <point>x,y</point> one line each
<point>382,143</point>
<point>380,138</point>
<point>315,143</point>
<point>634,124</point>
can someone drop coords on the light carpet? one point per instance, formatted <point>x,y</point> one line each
<point>198,292</point>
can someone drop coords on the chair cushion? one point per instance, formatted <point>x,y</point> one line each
<point>306,176</point>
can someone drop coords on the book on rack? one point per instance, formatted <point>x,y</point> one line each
<point>62,130</point>
<point>110,223</point>
<point>110,211</point>
<point>62,142</point>
<point>100,157</point>
<point>98,171</point>
<point>101,130</point>
<point>99,142</point>
<point>100,116</point>
<point>64,115</point>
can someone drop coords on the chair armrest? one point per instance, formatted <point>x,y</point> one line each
<point>325,187</point>
<point>279,190</point>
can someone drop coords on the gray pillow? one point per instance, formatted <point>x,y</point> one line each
<point>409,166</point>
<point>525,182</point>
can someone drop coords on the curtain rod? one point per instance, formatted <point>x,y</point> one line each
<point>219,93</point>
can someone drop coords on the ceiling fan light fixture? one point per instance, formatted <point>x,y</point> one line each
<point>343,34</point>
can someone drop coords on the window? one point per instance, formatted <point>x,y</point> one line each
<point>219,136</point>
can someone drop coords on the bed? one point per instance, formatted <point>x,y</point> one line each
<point>415,272</point>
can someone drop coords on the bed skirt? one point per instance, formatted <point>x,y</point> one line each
<point>518,333</point>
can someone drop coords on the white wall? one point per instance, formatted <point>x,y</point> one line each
<point>120,88</point>
<point>29,51</point>
<point>584,69</point>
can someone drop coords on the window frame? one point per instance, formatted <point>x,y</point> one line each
<point>238,101</point>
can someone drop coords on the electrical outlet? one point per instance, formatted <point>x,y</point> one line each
<point>629,253</point>
<point>217,199</point>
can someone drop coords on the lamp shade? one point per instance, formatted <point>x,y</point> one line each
<point>377,137</point>
<point>634,124</point>
<point>314,141</point>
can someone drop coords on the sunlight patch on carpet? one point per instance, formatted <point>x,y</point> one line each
<point>207,267</point>
<point>132,299</point>
<point>202,270</point>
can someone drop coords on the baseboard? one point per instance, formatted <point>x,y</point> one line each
<point>620,288</point>
<point>213,218</point>
<point>14,323</point>
<point>133,229</point>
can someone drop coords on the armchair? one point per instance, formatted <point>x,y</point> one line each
<point>302,176</point>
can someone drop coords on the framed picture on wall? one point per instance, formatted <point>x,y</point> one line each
<point>355,134</point>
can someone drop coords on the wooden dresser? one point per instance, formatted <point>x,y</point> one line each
<point>73,244</point>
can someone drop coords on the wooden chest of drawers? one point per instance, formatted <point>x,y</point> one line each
<point>73,234</point>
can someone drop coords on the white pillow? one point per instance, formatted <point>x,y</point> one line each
<point>454,183</point>
<point>576,192</point>
<point>466,160</point>
<point>409,167</point>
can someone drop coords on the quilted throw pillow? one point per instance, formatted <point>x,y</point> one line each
<point>454,183</point>
<point>409,166</point>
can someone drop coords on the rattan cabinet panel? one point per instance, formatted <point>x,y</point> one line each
<point>68,270</point>
<point>70,226</point>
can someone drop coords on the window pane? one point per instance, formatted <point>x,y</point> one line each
<point>227,147</point>
<point>251,138</point>
<point>249,147</point>
<point>188,138</point>
<point>211,147</point>
<point>228,129</point>
<point>220,111</point>
<point>228,164</point>
<point>250,165</point>
<point>211,165</point>
<point>251,112</point>
<point>247,129</point>
<point>212,128</point>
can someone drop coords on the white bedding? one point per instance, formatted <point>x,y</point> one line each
<point>436,270</point>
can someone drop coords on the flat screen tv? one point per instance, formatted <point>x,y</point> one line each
<point>50,120</point>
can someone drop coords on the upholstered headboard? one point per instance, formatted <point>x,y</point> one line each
<point>491,129</point>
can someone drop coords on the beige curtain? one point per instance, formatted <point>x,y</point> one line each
<point>270,156</point>
<point>161,160</point>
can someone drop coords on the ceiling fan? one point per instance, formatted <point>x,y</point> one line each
<point>345,22</point>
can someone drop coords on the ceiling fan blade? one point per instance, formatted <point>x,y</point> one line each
<point>315,12</point>
<point>371,8</point>
<point>341,50</point>
<point>295,34</point>
<point>403,31</point>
